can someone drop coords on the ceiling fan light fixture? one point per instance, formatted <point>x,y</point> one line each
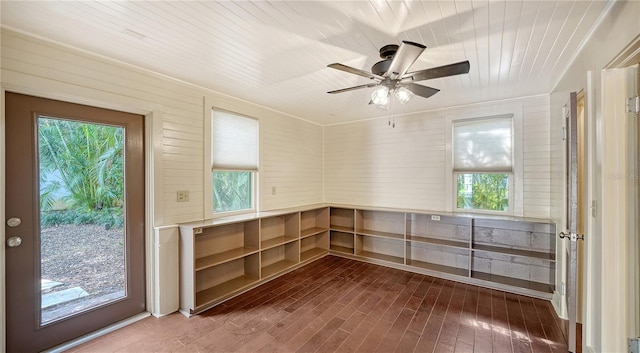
<point>384,106</point>
<point>380,96</point>
<point>403,94</point>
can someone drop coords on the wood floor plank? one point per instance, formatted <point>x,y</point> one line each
<point>336,304</point>
<point>333,342</point>
<point>408,342</point>
<point>422,314</point>
<point>395,333</point>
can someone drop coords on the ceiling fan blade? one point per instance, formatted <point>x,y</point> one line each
<point>353,70</point>
<point>353,88</point>
<point>440,71</point>
<point>420,90</point>
<point>407,54</point>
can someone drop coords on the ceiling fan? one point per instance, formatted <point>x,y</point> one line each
<point>391,74</point>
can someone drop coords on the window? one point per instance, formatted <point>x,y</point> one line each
<point>483,163</point>
<point>234,161</point>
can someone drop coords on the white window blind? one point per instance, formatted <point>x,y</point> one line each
<point>483,145</point>
<point>234,144</point>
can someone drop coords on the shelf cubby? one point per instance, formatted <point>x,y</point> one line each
<point>514,252</point>
<point>314,246</point>
<point>514,282</point>
<point>379,248</point>
<point>515,238</point>
<point>278,230</point>
<point>342,219</point>
<point>341,242</point>
<point>216,282</point>
<point>439,230</point>
<point>314,222</point>
<point>438,258</point>
<point>380,224</point>
<point>496,267</point>
<point>277,259</point>
<point>225,243</point>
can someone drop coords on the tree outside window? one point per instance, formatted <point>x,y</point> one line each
<point>483,192</point>
<point>232,191</point>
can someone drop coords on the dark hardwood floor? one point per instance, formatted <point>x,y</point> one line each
<point>341,305</point>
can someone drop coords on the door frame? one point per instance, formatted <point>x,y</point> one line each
<point>617,308</point>
<point>153,116</point>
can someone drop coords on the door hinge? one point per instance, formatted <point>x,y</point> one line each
<point>633,105</point>
<point>634,345</point>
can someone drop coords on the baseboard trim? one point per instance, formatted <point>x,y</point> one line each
<point>88,337</point>
<point>556,301</point>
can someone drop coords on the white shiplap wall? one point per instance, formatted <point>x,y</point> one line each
<point>291,150</point>
<point>557,159</point>
<point>291,163</point>
<point>536,154</point>
<point>369,163</point>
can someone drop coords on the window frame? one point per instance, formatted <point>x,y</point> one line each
<point>516,180</point>
<point>208,170</point>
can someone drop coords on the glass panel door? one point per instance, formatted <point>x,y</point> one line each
<point>75,220</point>
<point>82,238</point>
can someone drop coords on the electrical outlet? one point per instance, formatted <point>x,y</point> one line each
<point>197,230</point>
<point>183,195</point>
<point>273,190</point>
<point>435,218</point>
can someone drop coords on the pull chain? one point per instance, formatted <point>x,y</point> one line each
<point>392,117</point>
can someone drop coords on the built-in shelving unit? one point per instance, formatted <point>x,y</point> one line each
<point>225,257</point>
<point>511,254</point>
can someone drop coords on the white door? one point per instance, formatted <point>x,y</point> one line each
<point>571,233</point>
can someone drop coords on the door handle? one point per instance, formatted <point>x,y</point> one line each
<point>572,236</point>
<point>14,242</point>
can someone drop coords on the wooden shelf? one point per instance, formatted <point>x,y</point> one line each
<point>273,242</point>
<point>437,241</point>
<point>212,294</point>
<point>341,219</point>
<point>383,257</point>
<point>376,233</point>
<point>312,231</point>
<point>439,268</point>
<point>311,253</point>
<point>540,287</point>
<point>342,249</point>
<point>276,267</point>
<point>216,259</point>
<point>514,252</point>
<point>342,229</point>
<point>253,250</point>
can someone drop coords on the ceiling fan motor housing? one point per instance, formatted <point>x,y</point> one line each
<point>387,53</point>
<point>381,67</point>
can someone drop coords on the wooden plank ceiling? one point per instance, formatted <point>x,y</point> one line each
<point>275,53</point>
